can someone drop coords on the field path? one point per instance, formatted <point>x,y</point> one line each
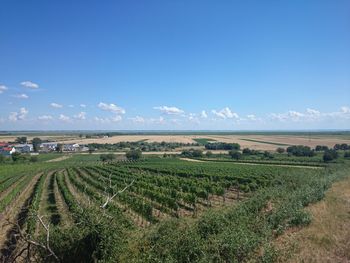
<point>246,163</point>
<point>62,158</point>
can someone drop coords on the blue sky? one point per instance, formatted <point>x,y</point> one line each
<point>174,65</point>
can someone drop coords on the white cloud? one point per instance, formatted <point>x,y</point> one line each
<point>45,118</point>
<point>116,118</point>
<point>15,116</point>
<point>3,88</point>
<point>80,116</point>
<point>251,117</point>
<point>345,109</point>
<point>312,111</point>
<point>138,119</point>
<point>56,105</point>
<point>21,96</point>
<point>225,113</point>
<point>63,117</point>
<point>111,108</point>
<point>83,105</point>
<point>204,115</point>
<point>29,84</point>
<point>159,120</point>
<point>169,110</point>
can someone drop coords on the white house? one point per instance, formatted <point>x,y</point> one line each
<point>48,146</point>
<point>24,148</point>
<point>71,147</point>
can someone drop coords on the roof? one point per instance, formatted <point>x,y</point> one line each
<point>7,149</point>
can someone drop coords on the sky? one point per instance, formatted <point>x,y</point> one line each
<point>174,65</point>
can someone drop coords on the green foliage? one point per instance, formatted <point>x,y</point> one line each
<point>21,140</point>
<point>203,141</point>
<point>330,155</point>
<point>107,157</point>
<point>343,147</point>
<point>280,150</point>
<point>321,148</point>
<point>195,153</point>
<point>36,144</point>
<point>222,146</point>
<point>18,157</point>
<point>133,155</point>
<point>300,150</point>
<point>235,154</point>
<point>33,159</point>
<point>208,154</point>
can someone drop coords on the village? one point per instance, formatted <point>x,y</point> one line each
<point>7,149</point>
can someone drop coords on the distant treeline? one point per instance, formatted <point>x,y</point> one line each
<point>222,146</point>
<point>141,145</point>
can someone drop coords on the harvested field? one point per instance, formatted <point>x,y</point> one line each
<point>259,142</point>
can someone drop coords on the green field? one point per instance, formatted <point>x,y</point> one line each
<point>171,210</point>
<point>203,141</point>
<point>265,142</point>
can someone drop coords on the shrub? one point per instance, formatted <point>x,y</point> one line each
<point>321,148</point>
<point>134,155</point>
<point>280,150</point>
<point>235,154</point>
<point>192,153</point>
<point>300,150</point>
<point>208,154</point>
<point>330,155</point>
<point>33,159</point>
<point>107,157</point>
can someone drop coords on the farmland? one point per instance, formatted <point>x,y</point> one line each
<point>259,141</point>
<point>128,210</point>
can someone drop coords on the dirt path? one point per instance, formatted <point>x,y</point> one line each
<point>327,238</point>
<point>62,208</point>
<point>192,160</point>
<point>14,214</point>
<point>62,158</point>
<point>246,163</point>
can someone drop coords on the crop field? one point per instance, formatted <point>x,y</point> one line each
<point>146,194</point>
<point>263,141</point>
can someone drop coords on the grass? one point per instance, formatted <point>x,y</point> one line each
<point>327,238</point>
<point>203,141</point>
<point>265,142</point>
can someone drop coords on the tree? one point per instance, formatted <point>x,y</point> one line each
<point>330,155</point>
<point>280,150</point>
<point>36,144</point>
<point>300,150</point>
<point>133,155</point>
<point>321,148</point>
<point>59,148</point>
<point>192,153</point>
<point>268,155</point>
<point>347,155</point>
<point>235,154</point>
<point>247,151</point>
<point>208,154</point>
<point>21,140</point>
<point>91,149</point>
<point>16,157</point>
<point>107,157</point>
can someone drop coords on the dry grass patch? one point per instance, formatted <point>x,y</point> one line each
<point>327,238</point>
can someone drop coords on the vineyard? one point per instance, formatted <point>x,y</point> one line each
<point>126,197</point>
